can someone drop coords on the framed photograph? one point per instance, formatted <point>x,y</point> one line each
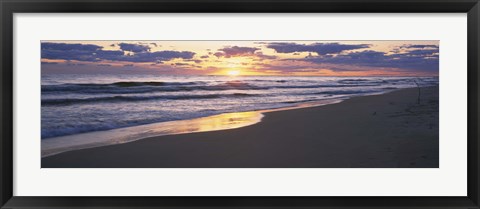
<point>237,104</point>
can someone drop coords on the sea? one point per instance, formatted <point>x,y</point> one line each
<point>74,104</point>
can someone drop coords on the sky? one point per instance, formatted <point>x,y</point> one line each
<point>242,58</point>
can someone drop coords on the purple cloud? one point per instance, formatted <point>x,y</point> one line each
<point>319,48</point>
<point>263,56</point>
<point>219,54</point>
<point>49,63</point>
<point>422,60</point>
<point>419,46</point>
<point>236,51</point>
<point>94,53</point>
<point>153,56</point>
<point>69,47</point>
<point>134,47</point>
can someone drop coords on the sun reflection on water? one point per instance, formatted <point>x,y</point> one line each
<point>210,123</point>
<point>122,135</point>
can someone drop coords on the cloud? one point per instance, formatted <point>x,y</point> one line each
<point>108,54</point>
<point>319,48</point>
<point>153,56</point>
<point>283,67</point>
<point>94,53</point>
<point>70,47</point>
<point>49,63</point>
<point>419,46</point>
<point>204,57</point>
<point>236,51</point>
<point>134,47</point>
<point>194,60</point>
<point>219,54</point>
<point>420,60</point>
<point>263,56</point>
<point>423,52</point>
<point>81,52</point>
<point>69,55</point>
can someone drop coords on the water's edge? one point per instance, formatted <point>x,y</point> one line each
<point>57,145</point>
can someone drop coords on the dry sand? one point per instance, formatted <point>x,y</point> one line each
<point>381,131</point>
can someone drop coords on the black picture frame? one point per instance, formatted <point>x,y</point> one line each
<point>10,7</point>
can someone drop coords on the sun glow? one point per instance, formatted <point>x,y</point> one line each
<point>233,72</point>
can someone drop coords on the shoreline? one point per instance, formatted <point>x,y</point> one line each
<point>280,131</point>
<point>225,121</point>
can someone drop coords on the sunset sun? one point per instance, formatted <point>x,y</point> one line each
<point>233,72</point>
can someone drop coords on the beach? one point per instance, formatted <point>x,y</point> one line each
<point>390,130</point>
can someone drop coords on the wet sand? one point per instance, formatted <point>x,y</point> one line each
<point>382,131</point>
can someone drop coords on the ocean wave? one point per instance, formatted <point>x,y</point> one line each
<point>83,128</point>
<point>363,81</point>
<point>121,84</point>
<point>148,87</point>
<point>323,86</point>
<point>70,101</point>
<point>345,92</point>
<point>392,81</point>
<point>136,83</point>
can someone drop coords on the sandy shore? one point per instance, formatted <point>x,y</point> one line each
<point>382,131</point>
